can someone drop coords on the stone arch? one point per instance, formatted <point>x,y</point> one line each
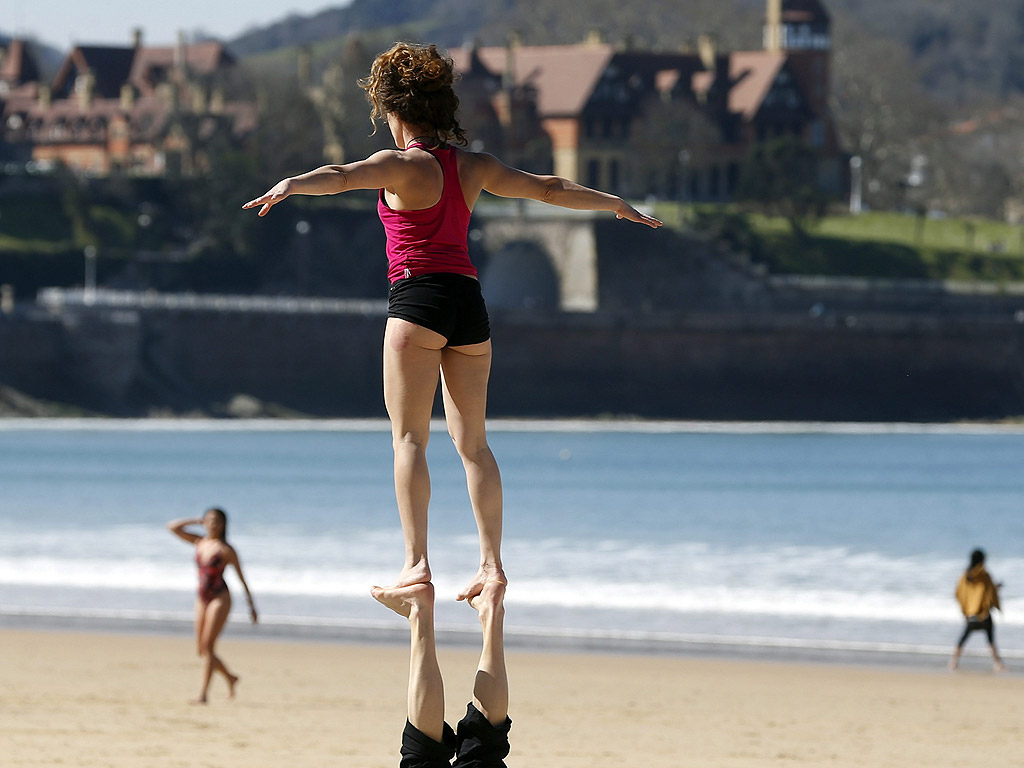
<point>520,275</point>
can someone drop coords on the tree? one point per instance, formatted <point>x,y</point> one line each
<point>342,106</point>
<point>780,178</point>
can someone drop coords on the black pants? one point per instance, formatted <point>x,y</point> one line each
<point>476,744</point>
<point>975,625</point>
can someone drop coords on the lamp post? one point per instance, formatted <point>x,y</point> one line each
<point>303,228</point>
<point>89,294</point>
<point>856,164</point>
<point>684,182</point>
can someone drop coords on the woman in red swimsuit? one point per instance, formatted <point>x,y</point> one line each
<point>213,604</point>
<point>437,325</point>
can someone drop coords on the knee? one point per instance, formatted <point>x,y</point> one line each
<point>472,449</point>
<point>412,440</point>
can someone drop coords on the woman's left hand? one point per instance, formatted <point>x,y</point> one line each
<point>630,213</point>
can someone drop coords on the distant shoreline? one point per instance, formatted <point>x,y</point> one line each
<point>596,424</point>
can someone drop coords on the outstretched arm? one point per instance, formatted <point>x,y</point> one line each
<point>232,557</point>
<point>505,181</point>
<point>380,169</point>
<point>177,527</point>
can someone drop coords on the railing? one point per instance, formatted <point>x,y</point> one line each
<point>903,285</point>
<point>55,299</point>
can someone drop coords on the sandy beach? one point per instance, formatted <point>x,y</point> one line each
<point>119,700</point>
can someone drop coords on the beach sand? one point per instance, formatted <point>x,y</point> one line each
<point>83,699</point>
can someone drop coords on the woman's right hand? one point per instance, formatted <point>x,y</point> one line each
<point>272,197</point>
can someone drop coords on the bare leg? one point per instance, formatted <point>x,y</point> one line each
<point>464,388</point>
<point>426,689</point>
<point>955,661</point>
<point>997,662</point>
<point>412,358</point>
<point>490,690</point>
<point>215,617</point>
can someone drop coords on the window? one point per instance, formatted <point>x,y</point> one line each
<point>817,133</point>
<point>715,182</point>
<point>593,173</point>
<point>732,178</point>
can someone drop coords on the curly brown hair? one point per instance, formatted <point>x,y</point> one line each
<point>415,83</point>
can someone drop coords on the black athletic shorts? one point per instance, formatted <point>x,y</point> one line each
<point>475,744</point>
<point>975,625</point>
<point>445,303</point>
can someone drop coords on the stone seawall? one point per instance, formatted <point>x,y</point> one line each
<point>884,367</point>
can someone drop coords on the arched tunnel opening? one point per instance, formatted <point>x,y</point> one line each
<point>520,276</point>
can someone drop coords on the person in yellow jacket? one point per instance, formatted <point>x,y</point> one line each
<point>977,595</point>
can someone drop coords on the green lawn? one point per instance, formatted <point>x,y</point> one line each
<point>871,244</point>
<point>961,235</point>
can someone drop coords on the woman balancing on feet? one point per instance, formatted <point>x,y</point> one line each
<point>437,322</point>
<point>213,604</point>
<point>481,738</point>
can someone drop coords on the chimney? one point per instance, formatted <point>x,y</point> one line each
<point>127,97</point>
<point>84,85</point>
<point>217,100</point>
<point>773,26</point>
<point>708,52</point>
<point>44,96</point>
<point>180,57</point>
<point>137,37</point>
<point>508,77</point>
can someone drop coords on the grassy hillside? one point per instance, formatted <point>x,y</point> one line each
<point>887,245</point>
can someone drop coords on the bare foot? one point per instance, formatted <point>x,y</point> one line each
<point>490,600</point>
<point>404,600</point>
<point>999,667</point>
<point>418,573</point>
<point>232,681</point>
<point>485,574</point>
<point>199,700</point>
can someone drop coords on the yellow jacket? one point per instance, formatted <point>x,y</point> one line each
<point>976,593</point>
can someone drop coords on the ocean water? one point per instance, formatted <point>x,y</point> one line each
<point>644,536</point>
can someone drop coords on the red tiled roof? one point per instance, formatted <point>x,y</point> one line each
<point>564,76</point>
<point>200,58</point>
<point>751,74</point>
<point>109,66</point>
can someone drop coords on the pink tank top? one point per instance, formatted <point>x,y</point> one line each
<point>433,239</point>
